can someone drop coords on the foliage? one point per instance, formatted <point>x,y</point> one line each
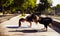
<point>7,3</point>
<point>58,6</point>
<point>28,5</point>
<point>17,5</point>
<point>24,5</point>
<point>44,4</point>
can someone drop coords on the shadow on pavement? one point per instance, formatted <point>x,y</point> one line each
<point>13,27</point>
<point>28,31</point>
<point>16,27</point>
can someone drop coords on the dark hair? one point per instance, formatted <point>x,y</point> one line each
<point>21,19</point>
<point>30,17</point>
<point>46,20</point>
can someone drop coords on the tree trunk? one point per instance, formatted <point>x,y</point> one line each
<point>3,11</point>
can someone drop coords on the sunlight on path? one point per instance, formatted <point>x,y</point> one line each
<point>4,31</point>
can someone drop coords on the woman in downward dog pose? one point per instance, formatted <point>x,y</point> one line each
<point>29,19</point>
<point>46,21</point>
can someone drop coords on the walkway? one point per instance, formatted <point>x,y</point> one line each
<point>24,30</point>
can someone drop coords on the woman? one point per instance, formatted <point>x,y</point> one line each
<point>46,21</point>
<point>29,19</point>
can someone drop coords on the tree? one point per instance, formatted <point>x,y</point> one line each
<point>57,9</point>
<point>4,4</point>
<point>28,5</point>
<point>58,6</point>
<point>17,5</point>
<point>44,4</point>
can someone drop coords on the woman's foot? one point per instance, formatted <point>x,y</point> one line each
<point>44,29</point>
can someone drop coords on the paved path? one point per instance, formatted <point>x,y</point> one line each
<point>24,30</point>
<point>55,18</point>
<point>6,17</point>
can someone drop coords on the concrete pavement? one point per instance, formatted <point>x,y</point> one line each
<point>24,30</point>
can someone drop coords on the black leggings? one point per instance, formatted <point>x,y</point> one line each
<point>45,25</point>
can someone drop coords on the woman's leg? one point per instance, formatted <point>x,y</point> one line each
<point>30,23</point>
<point>45,27</point>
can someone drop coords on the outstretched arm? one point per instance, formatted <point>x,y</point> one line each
<point>19,23</point>
<point>21,20</point>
